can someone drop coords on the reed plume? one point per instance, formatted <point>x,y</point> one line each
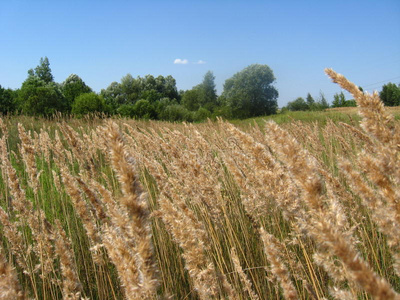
<point>134,200</point>
<point>9,285</point>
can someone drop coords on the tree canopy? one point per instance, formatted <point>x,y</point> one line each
<point>390,94</point>
<point>72,87</point>
<point>250,92</point>
<point>42,71</point>
<point>88,103</point>
<point>298,104</point>
<point>7,103</point>
<point>38,97</point>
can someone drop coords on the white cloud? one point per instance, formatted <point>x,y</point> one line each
<point>201,62</point>
<point>179,61</point>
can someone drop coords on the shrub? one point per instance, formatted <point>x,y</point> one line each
<point>88,103</point>
<point>126,110</point>
<point>176,112</point>
<point>143,109</point>
<point>202,114</point>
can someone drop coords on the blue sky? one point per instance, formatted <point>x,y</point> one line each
<point>102,41</point>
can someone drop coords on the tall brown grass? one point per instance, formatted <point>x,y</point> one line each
<point>121,209</point>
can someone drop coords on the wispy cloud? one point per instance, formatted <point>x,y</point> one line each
<point>179,61</point>
<point>200,62</point>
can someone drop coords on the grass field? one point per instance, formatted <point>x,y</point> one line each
<point>306,207</point>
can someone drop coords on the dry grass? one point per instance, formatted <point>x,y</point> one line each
<point>120,209</point>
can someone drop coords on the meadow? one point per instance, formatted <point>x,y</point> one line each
<point>295,206</point>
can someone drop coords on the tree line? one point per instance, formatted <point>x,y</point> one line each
<point>390,95</point>
<point>247,93</point>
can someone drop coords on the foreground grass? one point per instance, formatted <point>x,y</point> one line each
<point>121,209</point>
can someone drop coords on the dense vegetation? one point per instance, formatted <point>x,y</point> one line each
<point>248,93</point>
<point>125,209</point>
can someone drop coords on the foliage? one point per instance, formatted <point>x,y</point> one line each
<point>224,112</point>
<point>339,100</point>
<point>72,87</point>
<point>7,101</point>
<point>36,97</point>
<point>42,71</point>
<point>176,112</point>
<point>126,110</point>
<point>130,90</point>
<point>390,94</point>
<point>250,92</point>
<point>208,95</point>
<point>298,104</point>
<point>143,110</point>
<point>202,114</point>
<point>321,104</point>
<point>309,104</point>
<point>191,99</point>
<point>310,100</point>
<point>113,96</point>
<point>202,95</point>
<point>88,103</point>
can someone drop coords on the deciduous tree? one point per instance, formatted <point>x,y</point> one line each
<point>250,92</point>
<point>390,94</point>
<point>72,87</point>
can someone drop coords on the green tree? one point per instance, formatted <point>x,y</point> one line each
<point>36,97</point>
<point>298,104</point>
<point>151,95</point>
<point>339,100</point>
<point>208,94</point>
<point>191,99</point>
<point>126,110</point>
<point>71,88</point>
<point>170,89</point>
<point>176,112</point>
<point>130,89</point>
<point>201,114</point>
<point>39,94</point>
<point>7,102</point>
<point>88,103</point>
<point>113,96</point>
<point>390,94</point>
<point>250,92</point>
<point>143,109</point>
<point>310,100</point>
<point>43,71</point>
<point>322,101</point>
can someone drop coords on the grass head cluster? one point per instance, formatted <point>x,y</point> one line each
<point>123,209</point>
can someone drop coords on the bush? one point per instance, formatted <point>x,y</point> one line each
<point>38,98</point>
<point>144,110</point>
<point>202,114</point>
<point>88,103</point>
<point>126,110</point>
<point>390,94</point>
<point>7,104</point>
<point>223,111</point>
<point>298,104</point>
<point>160,105</point>
<point>176,112</point>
